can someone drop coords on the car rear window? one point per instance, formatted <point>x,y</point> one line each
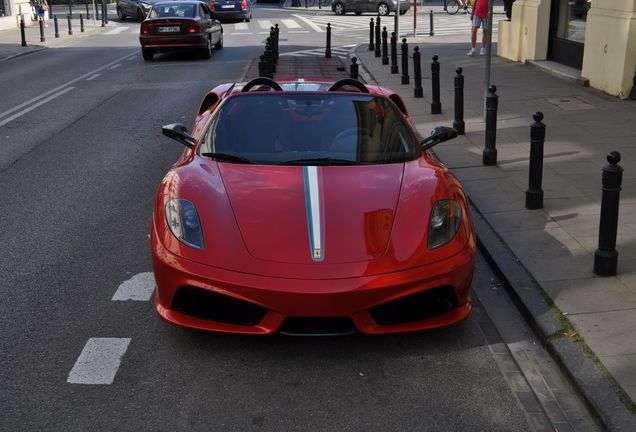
<point>279,128</point>
<point>171,10</point>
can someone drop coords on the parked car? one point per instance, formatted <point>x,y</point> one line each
<point>326,215</point>
<point>180,25</point>
<point>138,9</point>
<point>381,7</point>
<point>232,9</point>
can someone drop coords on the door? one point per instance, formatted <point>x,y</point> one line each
<point>568,19</point>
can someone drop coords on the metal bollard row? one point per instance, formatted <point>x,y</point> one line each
<point>353,68</point>
<point>606,256</point>
<point>436,104</point>
<point>405,62</point>
<point>385,47</point>
<point>418,91</point>
<point>394,65</point>
<point>458,124</point>
<point>489,155</point>
<point>378,43</point>
<point>534,194</point>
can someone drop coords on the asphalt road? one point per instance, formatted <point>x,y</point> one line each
<point>78,174</point>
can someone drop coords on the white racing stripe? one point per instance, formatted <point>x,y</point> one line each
<point>58,88</point>
<point>309,23</point>
<point>290,23</point>
<point>99,361</point>
<point>32,107</point>
<point>117,30</point>
<point>139,288</point>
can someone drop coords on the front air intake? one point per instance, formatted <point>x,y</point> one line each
<point>415,307</point>
<point>209,305</point>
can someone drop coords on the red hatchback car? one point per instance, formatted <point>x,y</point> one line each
<point>308,208</point>
<point>180,25</point>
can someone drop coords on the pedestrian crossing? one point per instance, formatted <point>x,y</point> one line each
<point>340,51</point>
<point>350,25</point>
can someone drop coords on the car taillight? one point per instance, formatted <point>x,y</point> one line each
<point>144,28</point>
<point>244,5</point>
<point>193,30</point>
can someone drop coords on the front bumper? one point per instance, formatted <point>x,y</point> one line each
<point>282,299</point>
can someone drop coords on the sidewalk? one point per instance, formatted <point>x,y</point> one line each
<point>554,245</point>
<point>10,40</point>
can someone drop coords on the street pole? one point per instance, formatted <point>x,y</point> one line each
<point>488,55</point>
<point>415,19</point>
<point>397,20</point>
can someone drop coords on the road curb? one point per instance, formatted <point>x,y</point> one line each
<point>31,51</point>
<point>602,395</point>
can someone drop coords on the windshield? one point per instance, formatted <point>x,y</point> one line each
<point>169,10</point>
<point>309,128</point>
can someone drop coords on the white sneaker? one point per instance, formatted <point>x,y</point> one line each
<point>482,51</point>
<point>471,52</point>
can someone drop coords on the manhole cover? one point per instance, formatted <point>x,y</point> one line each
<point>570,103</point>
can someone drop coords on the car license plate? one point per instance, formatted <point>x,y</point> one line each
<point>171,29</point>
<point>228,6</point>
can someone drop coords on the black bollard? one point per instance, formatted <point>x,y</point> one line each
<point>96,11</point>
<point>534,194</point>
<point>276,35</point>
<point>606,256</point>
<point>458,124</point>
<point>261,66</point>
<point>105,11</point>
<point>102,4</point>
<point>273,44</point>
<point>490,152</point>
<point>418,92</point>
<point>88,13</point>
<point>395,23</point>
<point>378,42</point>
<point>385,46</point>
<point>70,28</point>
<point>405,62</point>
<point>70,9</point>
<point>269,55</point>
<point>57,28</point>
<point>394,66</point>
<point>41,23</point>
<point>328,50</point>
<point>431,32</point>
<point>81,23</point>
<point>353,69</point>
<point>22,35</point>
<point>436,104</point>
<point>371,36</point>
<point>445,6</point>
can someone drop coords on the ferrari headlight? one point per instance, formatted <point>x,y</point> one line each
<point>444,223</point>
<point>183,220</point>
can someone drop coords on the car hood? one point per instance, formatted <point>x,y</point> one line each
<point>332,214</point>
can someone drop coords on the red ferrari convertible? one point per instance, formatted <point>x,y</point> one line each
<point>310,208</point>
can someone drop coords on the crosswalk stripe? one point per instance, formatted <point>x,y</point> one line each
<point>134,30</point>
<point>290,23</point>
<point>117,30</point>
<point>265,24</point>
<point>309,23</point>
<point>240,26</point>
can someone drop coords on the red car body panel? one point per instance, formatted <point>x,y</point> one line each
<point>254,224</point>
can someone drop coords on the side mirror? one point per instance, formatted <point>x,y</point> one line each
<point>178,132</point>
<point>439,134</point>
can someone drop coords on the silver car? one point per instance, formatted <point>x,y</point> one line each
<point>381,7</point>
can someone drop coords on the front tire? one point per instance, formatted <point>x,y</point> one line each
<point>121,15</point>
<point>339,8</point>
<point>383,9</point>
<point>147,54</point>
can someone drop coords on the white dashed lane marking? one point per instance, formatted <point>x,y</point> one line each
<point>266,24</point>
<point>92,77</point>
<point>114,66</point>
<point>138,288</point>
<point>241,26</point>
<point>99,361</point>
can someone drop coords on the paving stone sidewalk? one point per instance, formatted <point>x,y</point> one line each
<point>10,40</point>
<point>555,244</point>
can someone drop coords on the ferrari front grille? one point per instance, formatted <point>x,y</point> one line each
<point>415,307</point>
<point>212,306</point>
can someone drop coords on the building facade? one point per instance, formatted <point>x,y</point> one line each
<point>598,37</point>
